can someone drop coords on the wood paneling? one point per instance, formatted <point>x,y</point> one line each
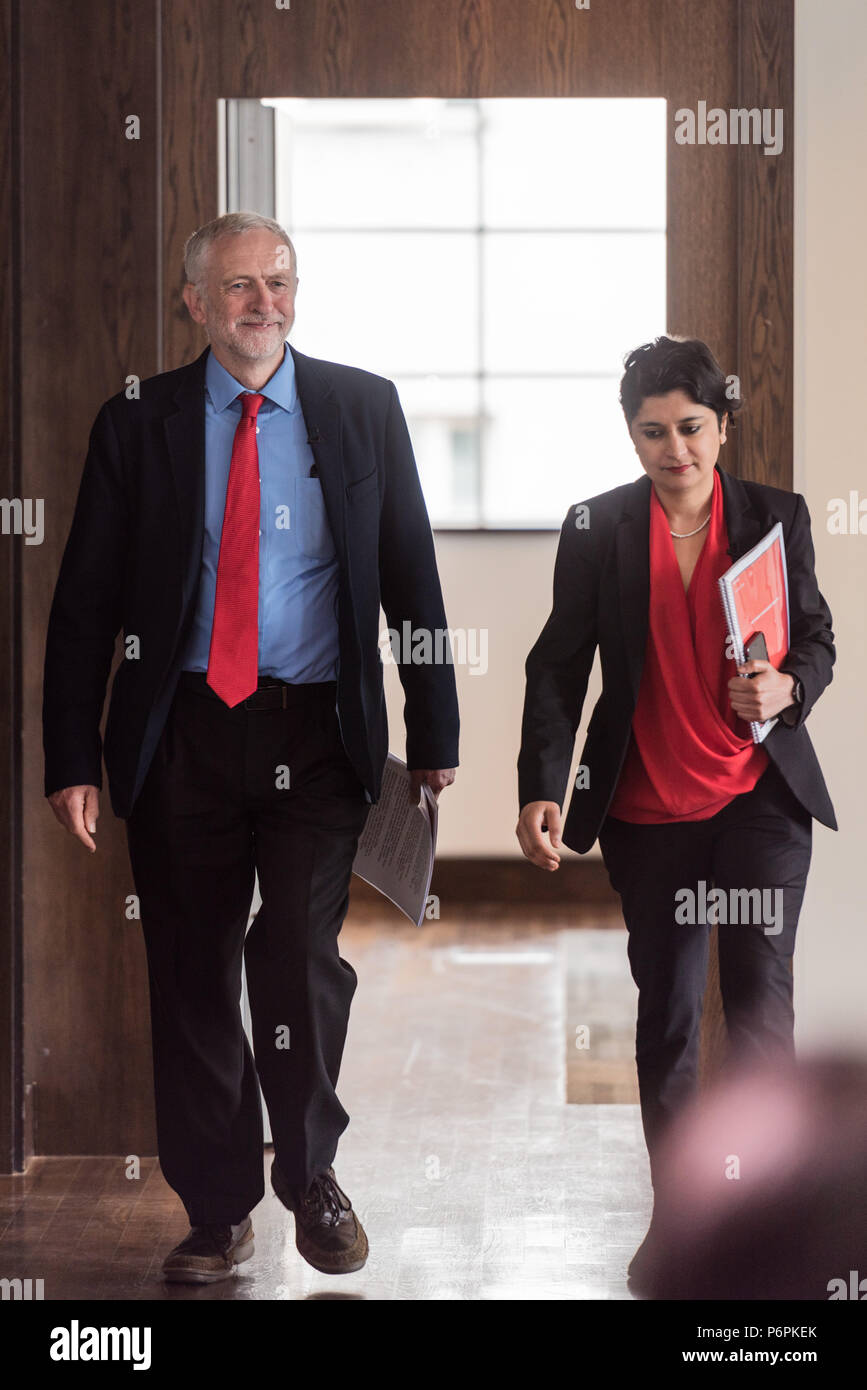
<point>90,295</point>
<point>11,1090</point>
<point>765,245</point>
<point>578,883</point>
<point>100,231</point>
<point>700,64</point>
<point>466,48</point>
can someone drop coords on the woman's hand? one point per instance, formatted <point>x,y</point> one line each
<point>765,695</point>
<point>535,818</point>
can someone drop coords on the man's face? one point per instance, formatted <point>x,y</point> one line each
<point>246,299</point>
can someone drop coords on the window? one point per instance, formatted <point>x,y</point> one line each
<point>496,259</point>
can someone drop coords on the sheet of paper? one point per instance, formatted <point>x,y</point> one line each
<point>397,846</point>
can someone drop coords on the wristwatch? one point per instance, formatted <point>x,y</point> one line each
<point>787,715</point>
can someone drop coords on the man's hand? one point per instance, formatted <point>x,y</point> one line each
<point>765,695</point>
<point>435,778</point>
<point>535,818</point>
<point>77,809</point>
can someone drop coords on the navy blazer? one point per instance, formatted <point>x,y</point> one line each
<point>601,599</point>
<point>133,562</point>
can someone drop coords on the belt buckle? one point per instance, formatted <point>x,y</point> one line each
<point>248,703</point>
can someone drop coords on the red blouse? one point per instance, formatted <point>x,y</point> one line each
<point>689,754</point>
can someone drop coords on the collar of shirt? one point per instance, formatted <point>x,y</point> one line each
<point>224,390</point>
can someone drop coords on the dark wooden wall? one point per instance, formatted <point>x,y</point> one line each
<point>91,276</point>
<point>89,317</point>
<point>11,1096</point>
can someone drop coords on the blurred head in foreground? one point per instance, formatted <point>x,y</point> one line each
<point>764,1189</point>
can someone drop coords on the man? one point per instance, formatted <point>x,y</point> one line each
<point>242,521</point>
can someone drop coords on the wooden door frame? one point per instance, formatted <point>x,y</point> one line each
<point>169,61</point>
<point>751,40</point>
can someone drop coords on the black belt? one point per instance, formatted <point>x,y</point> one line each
<point>271,693</point>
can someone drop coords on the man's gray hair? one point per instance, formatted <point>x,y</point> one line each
<point>198,245</point>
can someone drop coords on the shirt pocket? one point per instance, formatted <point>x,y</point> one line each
<point>312,530</point>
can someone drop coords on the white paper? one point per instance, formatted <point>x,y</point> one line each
<point>397,846</point>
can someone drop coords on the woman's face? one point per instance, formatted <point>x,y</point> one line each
<point>678,443</point>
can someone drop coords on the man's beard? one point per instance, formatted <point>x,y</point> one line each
<point>246,341</point>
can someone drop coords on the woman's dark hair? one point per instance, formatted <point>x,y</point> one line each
<point>677,364</point>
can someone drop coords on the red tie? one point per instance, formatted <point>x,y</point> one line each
<point>233,661</point>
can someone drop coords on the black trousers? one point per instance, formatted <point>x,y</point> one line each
<point>233,792</point>
<point>756,850</point>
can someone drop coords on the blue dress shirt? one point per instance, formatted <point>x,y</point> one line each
<point>298,569</point>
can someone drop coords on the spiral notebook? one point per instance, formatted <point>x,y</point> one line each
<point>755,598</point>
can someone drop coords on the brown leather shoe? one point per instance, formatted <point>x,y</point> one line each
<point>327,1232</point>
<point>209,1253</point>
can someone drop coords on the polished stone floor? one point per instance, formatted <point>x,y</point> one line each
<point>475,1174</point>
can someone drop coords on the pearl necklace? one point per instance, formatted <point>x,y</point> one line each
<point>685,535</point>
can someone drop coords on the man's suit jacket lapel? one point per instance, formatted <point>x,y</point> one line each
<point>745,526</point>
<point>185,441</point>
<point>322,417</point>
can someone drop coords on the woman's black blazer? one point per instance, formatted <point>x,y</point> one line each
<point>601,598</point>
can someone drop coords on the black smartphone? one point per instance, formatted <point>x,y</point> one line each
<point>756,648</point>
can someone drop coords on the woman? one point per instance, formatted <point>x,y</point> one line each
<point>671,782</point>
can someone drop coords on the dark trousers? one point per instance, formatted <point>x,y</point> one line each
<point>760,841</point>
<point>233,792</point>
